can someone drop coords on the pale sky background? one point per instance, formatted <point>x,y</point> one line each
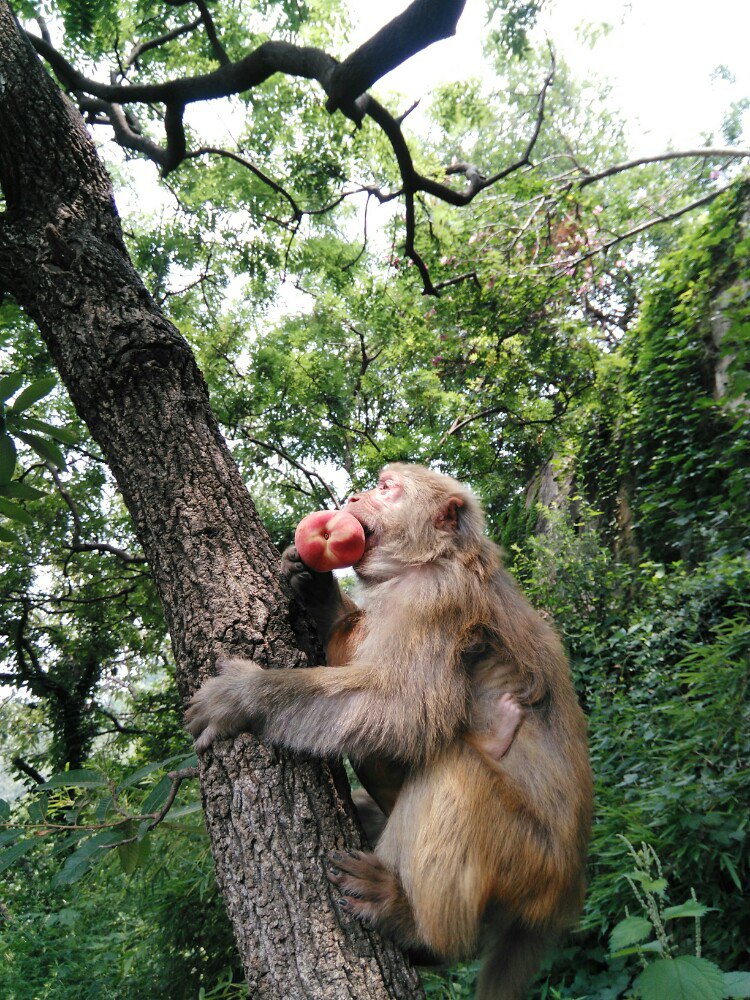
<point>659,56</point>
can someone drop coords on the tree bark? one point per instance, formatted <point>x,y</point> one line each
<point>272,819</point>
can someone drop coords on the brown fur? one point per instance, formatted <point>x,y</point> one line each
<point>485,840</point>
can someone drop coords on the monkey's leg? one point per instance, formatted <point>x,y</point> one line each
<point>373,893</point>
<point>371,816</point>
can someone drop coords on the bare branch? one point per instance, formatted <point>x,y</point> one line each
<point>636,230</point>
<point>208,23</point>
<point>309,474</point>
<point>154,43</point>
<point>75,544</point>
<point>469,276</point>
<point>707,153</point>
<point>129,730</point>
<point>422,23</point>
<point>274,185</point>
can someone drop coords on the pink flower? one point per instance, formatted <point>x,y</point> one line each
<point>597,209</point>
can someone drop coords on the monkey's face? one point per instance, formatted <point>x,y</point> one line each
<point>379,510</point>
<point>411,517</point>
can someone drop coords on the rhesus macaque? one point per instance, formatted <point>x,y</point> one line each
<point>453,698</point>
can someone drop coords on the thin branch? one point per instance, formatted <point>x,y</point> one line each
<point>358,257</point>
<point>154,43</point>
<point>309,474</point>
<point>469,276</point>
<point>129,730</point>
<point>156,817</point>
<point>208,24</point>
<point>256,171</point>
<point>75,544</point>
<point>706,153</point>
<point>636,230</point>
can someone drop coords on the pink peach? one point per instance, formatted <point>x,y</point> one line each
<point>329,539</point>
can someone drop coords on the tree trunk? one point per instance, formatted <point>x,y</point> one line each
<point>133,379</point>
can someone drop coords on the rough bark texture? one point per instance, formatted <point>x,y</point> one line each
<point>133,379</point>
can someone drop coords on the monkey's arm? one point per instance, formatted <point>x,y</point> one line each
<point>319,593</point>
<point>358,709</point>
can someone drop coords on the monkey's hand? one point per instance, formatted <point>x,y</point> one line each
<point>318,593</point>
<point>226,704</point>
<point>310,588</point>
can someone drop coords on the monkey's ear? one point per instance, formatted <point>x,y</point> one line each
<point>447,517</point>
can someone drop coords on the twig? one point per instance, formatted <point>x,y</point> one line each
<point>309,474</point>
<point>707,153</point>
<point>635,231</point>
<point>75,544</point>
<point>28,769</point>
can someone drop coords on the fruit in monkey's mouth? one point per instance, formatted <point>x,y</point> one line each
<point>329,539</point>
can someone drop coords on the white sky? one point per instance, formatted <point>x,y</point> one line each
<point>659,56</point>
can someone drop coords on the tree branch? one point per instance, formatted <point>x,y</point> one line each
<point>636,230</point>
<point>420,25</point>
<point>75,544</point>
<point>129,730</point>
<point>707,153</point>
<point>28,769</point>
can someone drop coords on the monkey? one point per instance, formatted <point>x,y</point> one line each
<point>453,698</point>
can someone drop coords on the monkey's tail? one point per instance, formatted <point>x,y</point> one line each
<point>510,963</point>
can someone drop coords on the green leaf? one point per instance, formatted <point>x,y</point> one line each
<point>652,947</point>
<point>682,978</point>
<point>4,810</point>
<point>7,459</point>
<point>157,796</point>
<point>9,857</point>
<point>134,855</point>
<point>44,448</point>
<point>59,433</point>
<point>737,985</point>
<point>157,765</point>
<point>629,931</point>
<point>14,512</point>
<point>33,393</point>
<point>83,778</point>
<point>8,385</point>
<point>20,491</point>
<point>690,908</point>
<point>38,809</point>
<point>81,860</point>
<point>8,536</point>
<point>191,807</point>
